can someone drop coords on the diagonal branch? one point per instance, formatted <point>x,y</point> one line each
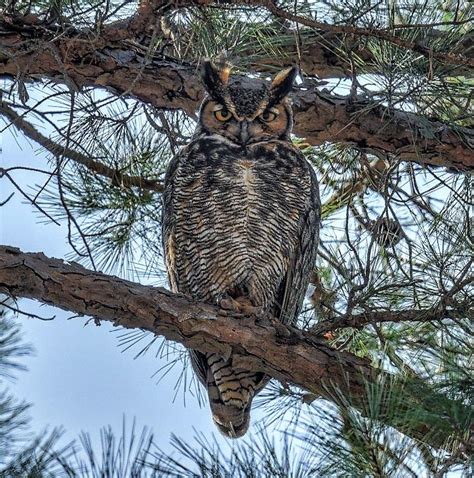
<point>93,165</point>
<point>285,353</point>
<point>385,34</point>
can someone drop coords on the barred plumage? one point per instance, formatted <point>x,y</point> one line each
<point>240,222</point>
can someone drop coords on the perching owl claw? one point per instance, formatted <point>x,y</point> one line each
<point>241,215</point>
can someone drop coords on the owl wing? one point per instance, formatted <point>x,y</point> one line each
<point>168,218</point>
<point>293,288</point>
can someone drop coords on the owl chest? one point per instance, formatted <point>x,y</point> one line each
<point>239,208</point>
<point>236,224</point>
<point>241,199</point>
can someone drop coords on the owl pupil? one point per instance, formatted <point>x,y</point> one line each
<point>268,116</point>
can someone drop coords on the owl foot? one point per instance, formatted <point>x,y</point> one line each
<point>246,307</point>
<point>228,303</point>
<point>241,305</point>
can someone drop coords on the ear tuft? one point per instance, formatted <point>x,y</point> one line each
<point>282,84</point>
<point>224,74</point>
<point>214,78</point>
<point>210,76</point>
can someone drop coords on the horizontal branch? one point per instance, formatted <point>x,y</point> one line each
<point>358,321</point>
<point>78,60</point>
<point>96,167</point>
<point>195,325</point>
<point>287,354</point>
<point>326,55</point>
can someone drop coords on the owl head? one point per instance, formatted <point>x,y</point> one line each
<point>246,110</point>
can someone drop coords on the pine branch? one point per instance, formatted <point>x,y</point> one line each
<point>58,150</point>
<point>382,34</point>
<point>376,317</point>
<point>451,58</point>
<point>288,354</point>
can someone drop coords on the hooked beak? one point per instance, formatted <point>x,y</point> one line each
<point>244,132</point>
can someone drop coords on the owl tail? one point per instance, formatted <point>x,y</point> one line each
<point>231,392</point>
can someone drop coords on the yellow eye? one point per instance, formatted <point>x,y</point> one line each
<point>223,114</point>
<point>268,116</point>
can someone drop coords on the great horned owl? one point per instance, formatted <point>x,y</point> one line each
<point>241,214</point>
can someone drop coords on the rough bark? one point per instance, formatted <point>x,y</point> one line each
<point>287,354</point>
<point>455,58</point>
<point>80,59</point>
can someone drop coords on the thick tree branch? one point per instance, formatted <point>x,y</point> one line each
<point>325,55</point>
<point>196,325</point>
<point>287,354</point>
<point>386,35</point>
<point>79,59</point>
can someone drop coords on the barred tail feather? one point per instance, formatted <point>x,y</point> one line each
<point>230,395</point>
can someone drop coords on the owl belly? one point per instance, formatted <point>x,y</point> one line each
<point>260,218</point>
<point>235,237</point>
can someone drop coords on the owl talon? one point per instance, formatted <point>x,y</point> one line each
<point>251,310</point>
<point>228,304</point>
<point>242,306</point>
<point>284,336</point>
<point>246,307</point>
<point>282,333</point>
